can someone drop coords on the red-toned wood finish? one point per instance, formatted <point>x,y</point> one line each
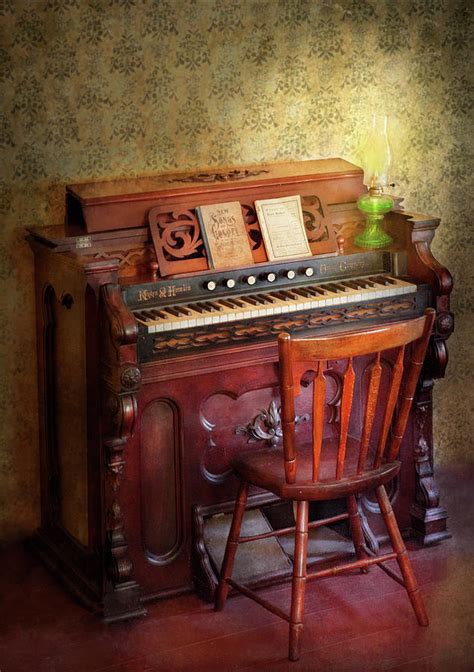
<point>136,443</point>
<point>327,470</point>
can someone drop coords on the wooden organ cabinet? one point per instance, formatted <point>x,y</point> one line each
<point>154,369</point>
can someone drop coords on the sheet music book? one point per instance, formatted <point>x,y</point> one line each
<point>282,227</point>
<point>225,235</point>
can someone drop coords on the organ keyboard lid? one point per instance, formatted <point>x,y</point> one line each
<point>119,204</point>
<point>161,210</point>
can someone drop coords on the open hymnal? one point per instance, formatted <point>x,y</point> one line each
<point>225,235</point>
<point>282,227</point>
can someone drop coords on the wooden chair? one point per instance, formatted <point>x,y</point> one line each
<point>344,468</point>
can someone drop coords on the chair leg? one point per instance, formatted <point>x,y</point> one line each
<point>399,548</point>
<point>356,530</point>
<point>299,579</point>
<point>231,546</point>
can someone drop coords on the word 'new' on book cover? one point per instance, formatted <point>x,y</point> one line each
<point>282,226</point>
<point>225,235</point>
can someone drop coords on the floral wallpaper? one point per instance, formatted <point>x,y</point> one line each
<point>110,88</point>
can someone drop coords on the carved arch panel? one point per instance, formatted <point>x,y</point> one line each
<point>162,527</point>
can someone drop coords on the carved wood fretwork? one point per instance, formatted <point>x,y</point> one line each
<point>230,176</point>
<point>120,412</point>
<point>319,229</point>
<point>200,338</point>
<point>428,517</point>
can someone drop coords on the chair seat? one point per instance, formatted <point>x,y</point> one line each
<point>265,469</point>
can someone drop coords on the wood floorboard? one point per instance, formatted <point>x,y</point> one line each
<point>352,623</point>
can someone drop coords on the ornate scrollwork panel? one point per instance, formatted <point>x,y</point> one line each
<point>221,334</point>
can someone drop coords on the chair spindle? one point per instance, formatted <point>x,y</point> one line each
<point>392,397</point>
<point>370,406</point>
<point>346,407</point>
<point>319,399</point>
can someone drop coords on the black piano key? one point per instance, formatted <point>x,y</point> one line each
<point>210,307</point>
<point>290,295</point>
<point>366,284</point>
<point>279,295</point>
<point>143,315</point>
<point>302,291</point>
<point>160,314</point>
<point>283,294</point>
<point>261,299</point>
<point>353,284</point>
<point>266,298</point>
<point>171,311</point>
<point>340,287</point>
<point>192,308</point>
<point>205,308</point>
<point>227,303</point>
<point>332,288</point>
<point>197,308</point>
<point>250,300</point>
<point>383,280</point>
<point>311,291</point>
<point>319,289</point>
<point>214,305</point>
<point>182,310</point>
<point>237,303</point>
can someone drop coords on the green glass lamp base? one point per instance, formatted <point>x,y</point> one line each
<point>374,205</point>
<point>373,235</point>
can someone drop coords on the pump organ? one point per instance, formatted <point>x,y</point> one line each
<point>154,370</point>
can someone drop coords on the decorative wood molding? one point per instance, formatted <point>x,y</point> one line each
<point>428,517</point>
<point>223,334</point>
<point>119,332</point>
<point>230,176</point>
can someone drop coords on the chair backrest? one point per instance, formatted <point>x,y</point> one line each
<point>298,355</point>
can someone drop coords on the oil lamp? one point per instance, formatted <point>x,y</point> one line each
<point>375,204</point>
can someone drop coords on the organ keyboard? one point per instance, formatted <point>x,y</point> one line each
<point>276,302</point>
<point>154,369</point>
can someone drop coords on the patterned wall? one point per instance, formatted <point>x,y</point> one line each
<point>107,88</point>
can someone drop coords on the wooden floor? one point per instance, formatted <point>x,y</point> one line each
<point>352,623</point>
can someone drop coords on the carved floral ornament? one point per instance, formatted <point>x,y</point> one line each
<point>230,176</point>
<point>266,425</point>
<point>131,377</point>
<point>445,323</point>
